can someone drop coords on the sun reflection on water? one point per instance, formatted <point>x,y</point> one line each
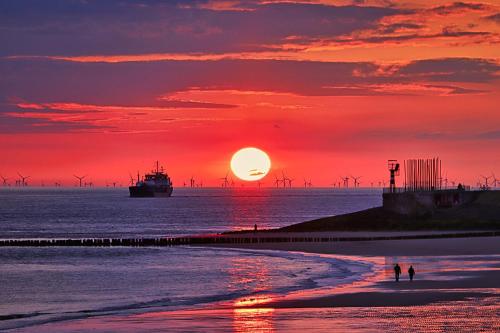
<point>250,320</point>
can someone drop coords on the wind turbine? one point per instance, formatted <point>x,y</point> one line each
<point>225,182</point>
<point>80,178</point>
<point>131,179</point>
<point>277,181</point>
<point>23,180</point>
<point>495,180</point>
<point>286,179</point>
<point>356,181</point>
<point>337,184</point>
<point>4,181</point>
<point>345,181</point>
<point>486,181</point>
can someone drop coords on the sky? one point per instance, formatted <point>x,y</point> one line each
<point>328,88</point>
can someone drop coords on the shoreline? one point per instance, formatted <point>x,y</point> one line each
<point>478,283</point>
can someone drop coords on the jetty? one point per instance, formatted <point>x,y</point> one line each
<point>243,238</point>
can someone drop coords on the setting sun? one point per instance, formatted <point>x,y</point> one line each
<point>250,164</point>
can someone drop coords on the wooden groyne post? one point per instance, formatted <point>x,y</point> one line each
<point>221,239</point>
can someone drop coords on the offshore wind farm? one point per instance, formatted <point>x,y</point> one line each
<point>249,166</point>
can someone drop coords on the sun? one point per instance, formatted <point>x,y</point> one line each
<point>250,164</point>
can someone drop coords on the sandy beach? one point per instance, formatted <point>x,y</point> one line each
<point>448,282</point>
<point>457,279</point>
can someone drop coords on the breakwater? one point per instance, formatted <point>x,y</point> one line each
<point>223,239</point>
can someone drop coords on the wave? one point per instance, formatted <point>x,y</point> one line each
<point>311,274</point>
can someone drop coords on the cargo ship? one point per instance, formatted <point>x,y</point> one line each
<point>154,184</point>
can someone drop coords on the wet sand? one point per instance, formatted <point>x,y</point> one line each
<point>452,283</point>
<point>480,284</point>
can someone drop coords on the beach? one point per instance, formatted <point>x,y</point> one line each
<point>456,288</point>
<point>479,282</point>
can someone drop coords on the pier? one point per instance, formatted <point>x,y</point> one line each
<point>222,239</point>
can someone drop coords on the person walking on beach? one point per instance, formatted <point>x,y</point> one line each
<point>411,272</point>
<point>255,228</point>
<point>397,271</point>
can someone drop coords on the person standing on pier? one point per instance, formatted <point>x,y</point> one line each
<point>397,272</point>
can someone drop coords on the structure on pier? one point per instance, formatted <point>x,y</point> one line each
<point>422,174</point>
<point>422,192</point>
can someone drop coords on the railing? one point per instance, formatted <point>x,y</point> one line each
<point>407,189</point>
<point>394,190</point>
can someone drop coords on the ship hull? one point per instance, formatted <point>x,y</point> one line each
<point>149,192</point>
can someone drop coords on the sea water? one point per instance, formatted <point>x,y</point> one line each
<point>41,285</point>
<point>108,212</point>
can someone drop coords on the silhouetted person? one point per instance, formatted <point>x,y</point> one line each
<point>397,272</point>
<point>255,228</point>
<point>411,272</point>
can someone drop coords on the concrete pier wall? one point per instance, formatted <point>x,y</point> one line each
<point>425,203</point>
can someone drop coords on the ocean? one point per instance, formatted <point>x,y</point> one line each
<point>41,285</point>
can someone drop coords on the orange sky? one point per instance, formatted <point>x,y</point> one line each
<point>327,88</point>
